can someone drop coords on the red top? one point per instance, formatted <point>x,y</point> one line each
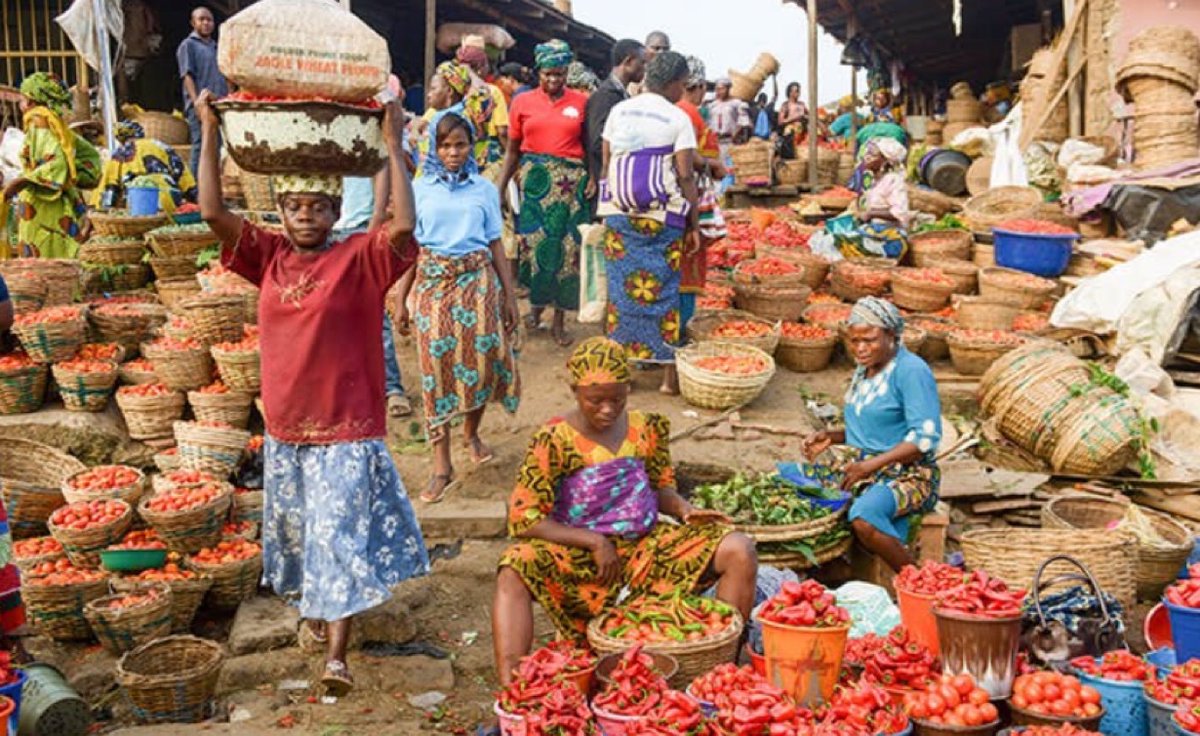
<point>320,315</point>
<point>546,126</point>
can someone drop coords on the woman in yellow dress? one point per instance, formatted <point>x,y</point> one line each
<point>141,161</point>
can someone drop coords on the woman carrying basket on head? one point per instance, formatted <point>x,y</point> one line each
<point>338,530</point>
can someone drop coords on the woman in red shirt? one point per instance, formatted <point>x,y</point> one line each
<point>546,154</point>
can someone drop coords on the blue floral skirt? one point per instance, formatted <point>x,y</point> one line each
<point>642,262</point>
<point>338,529</point>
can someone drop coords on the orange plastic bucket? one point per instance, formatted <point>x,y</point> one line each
<point>916,614</point>
<point>804,662</point>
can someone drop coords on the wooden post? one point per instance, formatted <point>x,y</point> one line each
<point>430,39</point>
<point>1076,50</point>
<point>854,108</point>
<point>812,95</point>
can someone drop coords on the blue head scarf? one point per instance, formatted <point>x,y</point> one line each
<point>433,168</point>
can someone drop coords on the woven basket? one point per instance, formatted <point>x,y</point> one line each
<point>248,506</point>
<point>984,313</point>
<point>231,408</point>
<point>939,244</point>
<point>115,224</point>
<point>233,582</point>
<point>974,357</point>
<point>122,629</point>
<point>186,596</point>
<point>83,545</point>
<point>163,126</point>
<point>936,330</point>
<point>793,280</point>
<point>257,191</point>
<point>806,356</point>
<point>240,369</point>
<point>914,339</point>
<point>31,476</point>
<point>85,391</point>
<point>931,201</point>
<point>1157,566</point>
<point>701,327</point>
<point>166,481</point>
<point>1014,556</point>
<point>172,679</point>
<point>1098,436</point>
<point>776,303</point>
<point>963,273</point>
<point>23,390</point>
<point>215,449</point>
<point>694,657</point>
<point>192,530</point>
<point>113,252</point>
<point>27,564</point>
<point>816,267</point>
<point>764,534</point>
<point>57,610</point>
<point>166,462</point>
<point>173,267</point>
<point>751,160</point>
<point>27,290</point>
<point>215,318</point>
<point>984,255</point>
<point>128,325</point>
<point>176,290</point>
<point>963,111</point>
<point>919,295</point>
<point>996,205</point>
<point>130,494</point>
<point>791,172</point>
<point>180,370</point>
<point>1026,391</point>
<point>52,342</point>
<point>166,244</point>
<point>811,315</point>
<point>151,417</point>
<point>799,561</point>
<point>1030,296</point>
<point>60,274</point>
<point>176,328</point>
<point>131,375</point>
<point>712,390</point>
<point>846,280</point>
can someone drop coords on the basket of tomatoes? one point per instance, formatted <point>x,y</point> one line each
<point>188,588</point>
<point>128,324</point>
<point>189,517</point>
<point>22,383</point>
<point>215,318</point>
<point>973,351</point>
<point>212,446</point>
<point>1055,699</point>
<point>1020,289</point>
<point>86,527</point>
<point>85,385</point>
<point>105,481</point>
<point>52,334</point>
<point>735,326</point>
<point>852,280</point>
<point>136,372</point>
<point>921,289</point>
<point>772,288</point>
<point>719,375</point>
<point>933,244</point>
<point>167,460</point>
<point>55,593</point>
<point>172,479</point>
<point>248,504</point>
<point>123,621</point>
<point>805,348</point>
<point>238,363</point>
<point>182,365</point>
<point>235,566</point>
<point>963,274</point>
<point>150,410</point>
<point>29,553</point>
<point>953,705</point>
<point>216,402</point>
<point>830,315</point>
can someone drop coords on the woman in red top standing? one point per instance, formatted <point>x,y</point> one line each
<point>545,130</point>
<point>338,530</point>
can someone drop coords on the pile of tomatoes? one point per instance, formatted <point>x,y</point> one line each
<point>932,326</point>
<point>900,661</point>
<point>1030,322</point>
<point>145,390</point>
<point>865,707</point>
<point>928,275</point>
<point>83,515</point>
<point>173,345</point>
<point>763,709</point>
<point>828,316</point>
<point>114,308</point>
<point>99,351</point>
<point>1187,715</point>
<point>140,539</point>
<point>1053,693</point>
<point>821,297</point>
<point>37,547</point>
<point>79,365</point>
<point>49,315</point>
<point>806,333</point>
<point>952,700</point>
<point>930,578</point>
<point>168,573</point>
<point>105,478</point>
<point>995,337</point>
<point>131,600</point>
<point>864,277</point>
<point>185,477</point>
<point>1067,729</point>
<point>718,684</point>
<point>808,604</point>
<point>783,235</point>
<point>1184,593</point>
<point>216,387</point>
<point>139,365</point>
<point>234,549</point>
<point>1035,227</point>
<point>769,267</point>
<point>741,328</point>
<point>733,365</point>
<point>185,498</point>
<point>1121,665</point>
<point>635,687</point>
<point>1181,683</point>
<point>61,572</point>
<point>16,362</point>
<point>237,528</point>
<point>983,596</point>
<point>249,343</point>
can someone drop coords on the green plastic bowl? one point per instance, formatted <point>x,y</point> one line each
<point>132,560</point>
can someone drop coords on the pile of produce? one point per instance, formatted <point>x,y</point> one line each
<point>934,276</point>
<point>145,390</point>
<point>954,701</point>
<point>766,499</point>
<point>829,317</point>
<point>931,578</point>
<point>173,345</point>
<point>1030,322</point>
<point>821,297</point>
<point>805,333</point>
<point>104,478</point>
<point>1035,227</point>
<point>733,365</point>
<point>992,337</point>
<point>983,596</point>
<point>130,600</point>
<point>228,550</point>
<point>715,297</point>
<point>15,362</point>
<point>237,528</point>
<point>185,498</point>
<point>781,234</point>
<point>99,351</point>
<point>249,343</point>
<point>768,268</point>
<point>718,685</point>
<point>899,661</point>
<point>1181,683</point>
<point>37,547</point>
<point>865,708</point>
<point>1019,280</point>
<point>764,709</point>
<point>675,618</point>
<point>168,573</point>
<point>1187,715</point>
<point>1053,693</point>
<point>741,328</point>
<point>140,539</point>
<point>1121,666</point>
<point>635,688</point>
<point>60,572</point>
<point>729,251</point>
<point>864,277</point>
<point>88,514</point>
<point>49,315</point>
<point>542,692</point>
<point>807,604</point>
<point>1185,593</point>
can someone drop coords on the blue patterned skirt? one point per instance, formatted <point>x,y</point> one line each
<point>338,529</point>
<point>642,260</point>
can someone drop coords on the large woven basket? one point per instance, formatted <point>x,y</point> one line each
<point>84,391</point>
<point>939,244</point>
<point>163,126</point>
<point>115,224</point>
<point>31,477</point>
<point>1030,294</point>
<point>248,505</point>
<point>694,657</point>
<point>814,315</point>
<point>130,494</point>
<point>108,279</point>
<point>125,628</point>
<point>1157,565</point>
<point>113,252</point>
<point>984,313</point>
<point>778,303</point>
<point>167,460</point>
<point>215,317</point>
<point>920,295</point>
<point>972,357</point>
<point>701,327</point>
<point>135,373</point>
<point>1014,555</point>
<point>233,582</point>
<point>240,369</point>
<point>83,545</point>
<point>712,390</point>
<point>194,529</point>
<point>215,449</point>
<point>57,610</point>
<point>60,274</point>
<point>167,268</point>
<point>963,273</point>
<point>27,563</point>
<point>793,532</point>
<point>231,408</point>
<point>128,325</point>
<point>752,160</point>
<point>1100,435</point>
<point>1026,390</point>
<point>151,417</point>
<point>998,204</point>
<point>852,280</point>
<point>52,342</point>
<point>27,290</point>
<point>23,390</point>
<point>167,242</point>
<point>801,561</point>
<point>180,370</point>
<point>186,596</point>
<point>936,329</point>
<point>172,679</point>
<point>176,290</point>
<point>806,356</point>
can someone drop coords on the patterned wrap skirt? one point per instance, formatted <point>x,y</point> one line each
<point>338,529</point>
<point>563,579</point>
<point>642,259</point>
<point>894,500</point>
<point>12,610</point>
<point>553,206</point>
<point>465,356</point>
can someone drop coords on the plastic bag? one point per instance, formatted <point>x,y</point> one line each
<point>593,282</point>
<point>79,24</point>
<point>871,609</point>
<point>10,153</point>
<point>450,36</point>
<point>1075,151</point>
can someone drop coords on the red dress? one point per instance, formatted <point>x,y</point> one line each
<point>320,314</point>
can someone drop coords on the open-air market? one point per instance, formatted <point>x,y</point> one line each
<point>845,358</point>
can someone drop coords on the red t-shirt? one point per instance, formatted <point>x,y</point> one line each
<point>546,126</point>
<point>320,316</point>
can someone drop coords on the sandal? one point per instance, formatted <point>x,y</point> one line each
<point>337,680</point>
<point>481,454</point>
<point>398,405</point>
<point>449,483</point>
<point>309,640</point>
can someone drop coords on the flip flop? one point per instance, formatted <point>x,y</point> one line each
<point>337,680</point>
<point>309,640</point>
<point>473,446</point>
<point>451,484</point>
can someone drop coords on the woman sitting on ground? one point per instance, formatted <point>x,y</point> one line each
<point>585,512</point>
<point>140,161</point>
<point>882,210</point>
<point>893,426</point>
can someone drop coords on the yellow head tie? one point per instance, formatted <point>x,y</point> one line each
<point>296,184</point>
<point>599,361</point>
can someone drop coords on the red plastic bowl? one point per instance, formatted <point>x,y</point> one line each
<point>1157,628</point>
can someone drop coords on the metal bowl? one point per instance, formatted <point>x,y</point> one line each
<point>303,137</point>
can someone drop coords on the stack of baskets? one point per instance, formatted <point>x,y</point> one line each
<point>1042,80</point>
<point>128,325</point>
<point>1160,76</point>
<point>780,297</point>
<point>225,407</point>
<point>714,389</point>
<point>752,162</point>
<point>114,263</point>
<point>963,111</point>
<point>186,596</point>
<point>239,366</point>
<point>701,328</point>
<point>22,384</point>
<point>118,224</point>
<point>31,478</point>
<point>52,335</point>
<point>183,367</point>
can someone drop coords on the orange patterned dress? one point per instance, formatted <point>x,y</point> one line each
<point>562,579</point>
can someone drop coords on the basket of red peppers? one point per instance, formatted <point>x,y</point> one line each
<point>637,696</point>
<point>548,687</point>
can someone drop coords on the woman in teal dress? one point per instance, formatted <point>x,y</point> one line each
<point>893,426</point>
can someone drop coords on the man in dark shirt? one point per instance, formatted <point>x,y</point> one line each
<point>628,67</point>
<point>197,57</point>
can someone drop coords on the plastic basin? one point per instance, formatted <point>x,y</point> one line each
<point>916,614</point>
<point>510,725</point>
<point>757,661</point>
<point>13,691</point>
<point>1159,717</point>
<point>612,724</point>
<point>132,560</point>
<point>1123,702</point>
<point>1163,660</point>
<point>1157,628</point>
<point>1185,631</point>
<point>1043,255</point>
<point>708,709</point>
<point>142,201</point>
<point>803,661</point>
<point>984,648</point>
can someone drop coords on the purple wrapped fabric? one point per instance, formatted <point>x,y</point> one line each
<point>614,497</point>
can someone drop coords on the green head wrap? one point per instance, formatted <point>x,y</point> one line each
<point>47,89</point>
<point>554,54</point>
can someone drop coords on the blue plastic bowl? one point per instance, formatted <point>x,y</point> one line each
<point>1123,702</point>
<point>12,691</point>
<point>1042,255</point>
<point>1162,659</point>
<point>1185,630</point>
